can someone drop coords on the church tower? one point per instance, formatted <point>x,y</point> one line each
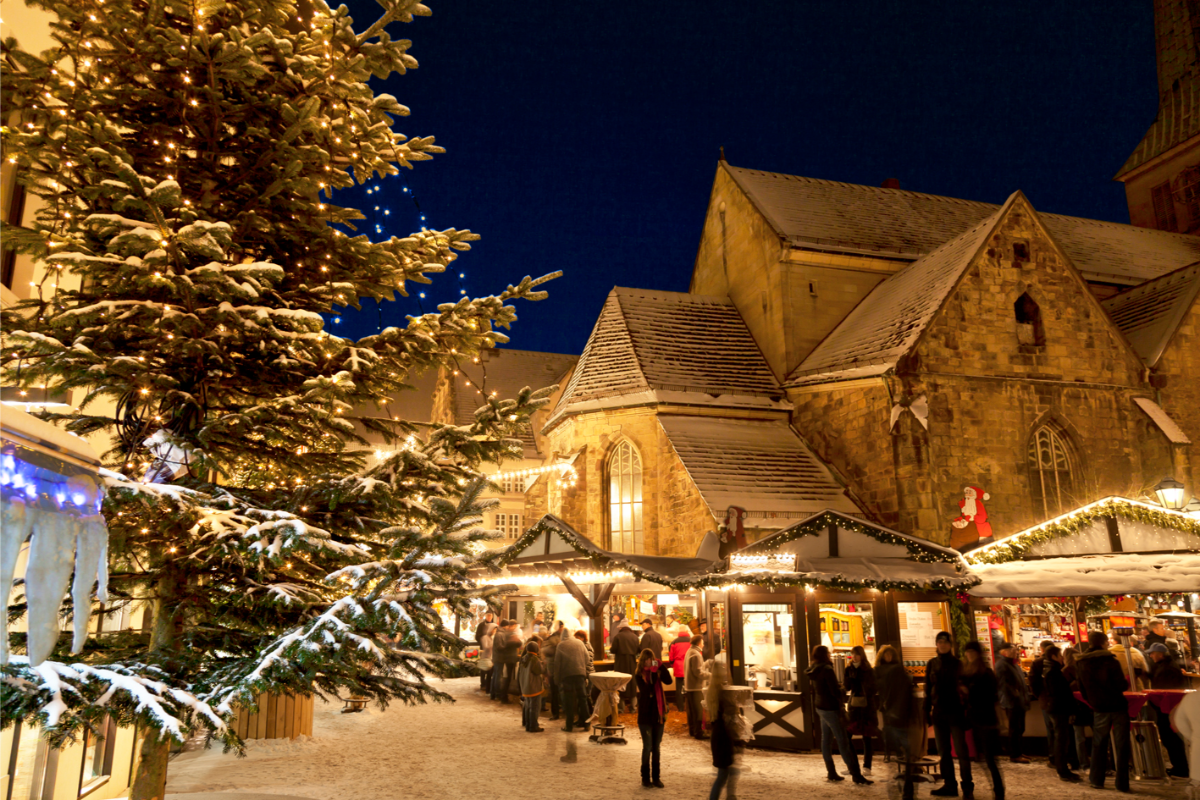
<point>1162,175</point>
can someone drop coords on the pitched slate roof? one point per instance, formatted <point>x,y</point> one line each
<point>649,344</point>
<point>507,372</point>
<point>846,217</point>
<point>1150,314</point>
<point>886,324</point>
<point>761,466</point>
<point>1168,426</point>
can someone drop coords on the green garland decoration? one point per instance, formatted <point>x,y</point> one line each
<point>815,526</point>
<point>1007,551</point>
<point>960,620</point>
<point>603,561</point>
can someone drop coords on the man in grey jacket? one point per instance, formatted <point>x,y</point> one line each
<point>693,684</point>
<point>1014,699</point>
<point>570,673</point>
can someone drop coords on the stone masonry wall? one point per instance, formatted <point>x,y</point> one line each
<point>1179,366</point>
<point>674,517</point>
<point>739,258</point>
<point>848,429</point>
<point>988,391</point>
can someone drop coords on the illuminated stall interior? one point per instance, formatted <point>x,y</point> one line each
<point>835,580</point>
<point>1110,564</point>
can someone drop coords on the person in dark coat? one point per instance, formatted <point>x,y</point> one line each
<point>650,677</point>
<point>531,676</point>
<point>1014,699</point>
<point>549,648</point>
<point>1081,720</point>
<point>1103,685</point>
<point>1156,633</point>
<point>505,649</point>
<point>651,639</point>
<point>895,688</point>
<point>721,709</point>
<point>1037,689</point>
<point>572,665</point>
<point>944,711</point>
<point>827,695</point>
<point>625,648</point>
<point>863,714</point>
<point>981,690</point>
<point>1061,708</point>
<point>1165,675</point>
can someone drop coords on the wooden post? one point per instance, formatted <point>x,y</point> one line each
<point>1193,644</point>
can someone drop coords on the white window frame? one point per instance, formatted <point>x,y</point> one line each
<point>625,511</point>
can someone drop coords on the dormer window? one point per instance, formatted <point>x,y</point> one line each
<point>1029,322</point>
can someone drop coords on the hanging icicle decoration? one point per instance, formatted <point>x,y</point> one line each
<point>53,502</point>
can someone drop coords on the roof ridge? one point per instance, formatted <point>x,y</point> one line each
<point>959,200</point>
<point>907,338</point>
<point>664,294</point>
<point>868,187</point>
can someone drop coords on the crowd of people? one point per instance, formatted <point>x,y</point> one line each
<point>975,711</point>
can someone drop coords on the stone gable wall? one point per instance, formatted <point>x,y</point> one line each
<point>739,257</point>
<point>674,516</point>
<point>988,391</point>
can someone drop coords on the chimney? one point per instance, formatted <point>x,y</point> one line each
<point>891,183</point>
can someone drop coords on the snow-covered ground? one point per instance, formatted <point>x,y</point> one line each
<point>475,748</point>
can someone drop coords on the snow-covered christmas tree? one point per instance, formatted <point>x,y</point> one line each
<point>187,152</point>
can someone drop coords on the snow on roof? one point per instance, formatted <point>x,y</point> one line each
<point>507,372</point>
<point>1119,573</point>
<point>648,342</point>
<point>1170,429</point>
<point>1150,314</point>
<point>846,217</point>
<point>761,466</point>
<point>886,324</point>
<point>22,426</point>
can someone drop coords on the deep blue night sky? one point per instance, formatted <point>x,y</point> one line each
<point>583,136</point>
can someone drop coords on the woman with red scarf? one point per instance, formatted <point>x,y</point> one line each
<point>651,675</point>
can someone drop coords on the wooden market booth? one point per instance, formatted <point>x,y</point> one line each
<point>831,579</point>
<point>1057,580</point>
<point>552,564</point>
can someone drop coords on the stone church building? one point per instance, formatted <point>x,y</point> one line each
<point>945,367</point>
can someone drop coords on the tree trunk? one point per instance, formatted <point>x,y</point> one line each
<point>151,780</point>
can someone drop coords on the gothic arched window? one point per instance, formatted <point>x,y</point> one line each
<point>1051,471</point>
<point>625,499</point>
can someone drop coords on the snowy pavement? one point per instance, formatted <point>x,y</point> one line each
<point>475,748</point>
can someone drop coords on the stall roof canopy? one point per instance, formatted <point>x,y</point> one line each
<point>873,557</point>
<point>1126,573</point>
<point>836,550</point>
<point>552,543</point>
<point>1109,526</point>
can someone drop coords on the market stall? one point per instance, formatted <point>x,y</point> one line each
<point>1113,563</point>
<point>560,574</point>
<point>831,579</point>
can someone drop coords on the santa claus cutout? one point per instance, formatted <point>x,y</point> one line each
<point>971,528</point>
<point>732,532</point>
